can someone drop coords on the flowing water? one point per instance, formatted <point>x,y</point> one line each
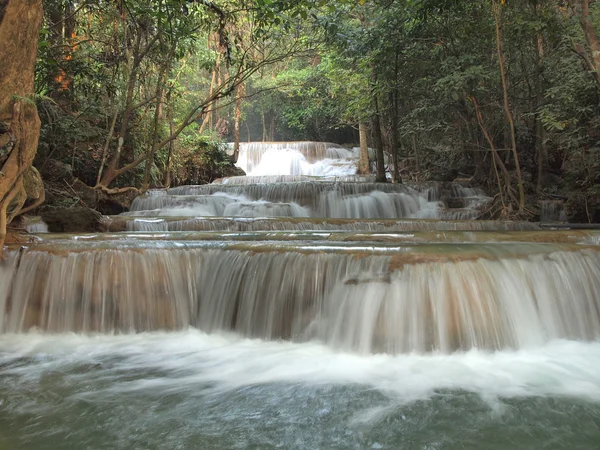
<point>297,158</point>
<point>285,310</point>
<point>35,225</point>
<point>189,390</point>
<point>309,198</point>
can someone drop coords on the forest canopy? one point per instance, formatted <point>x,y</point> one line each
<point>503,94</point>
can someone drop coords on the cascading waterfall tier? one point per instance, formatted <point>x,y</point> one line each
<point>360,266</point>
<point>361,296</point>
<point>302,192</point>
<point>587,237</point>
<point>238,224</point>
<point>325,199</point>
<point>296,158</point>
<point>270,179</point>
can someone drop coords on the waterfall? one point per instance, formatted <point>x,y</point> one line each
<point>296,158</point>
<point>184,205</point>
<point>353,296</point>
<point>34,224</point>
<point>322,199</point>
<point>270,179</point>
<point>341,260</point>
<point>552,211</point>
<point>469,304</point>
<point>341,237</point>
<point>129,223</point>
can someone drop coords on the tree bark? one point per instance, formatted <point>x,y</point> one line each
<point>271,127</point>
<point>363,163</point>
<point>377,135</point>
<point>395,141</point>
<point>209,117</point>
<point>111,132</point>
<point>540,148</point>
<point>168,175</point>
<point>19,33</point>
<point>496,160</point>
<point>416,153</point>
<point>241,92</point>
<point>155,128</point>
<point>496,7</point>
<point>394,147</point>
<point>139,53</point>
<point>131,82</point>
<point>378,141</point>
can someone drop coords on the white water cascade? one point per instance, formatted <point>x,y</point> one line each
<point>361,266</point>
<point>296,158</point>
<point>296,309</point>
<point>305,180</point>
<point>311,198</point>
<point>379,297</point>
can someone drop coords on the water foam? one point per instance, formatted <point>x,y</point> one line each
<point>296,158</point>
<point>229,362</point>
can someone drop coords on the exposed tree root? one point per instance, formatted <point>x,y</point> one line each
<point>116,191</point>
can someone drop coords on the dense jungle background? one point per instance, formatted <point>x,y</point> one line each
<point>500,94</point>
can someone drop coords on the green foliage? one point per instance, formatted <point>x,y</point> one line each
<point>201,159</point>
<point>423,62</point>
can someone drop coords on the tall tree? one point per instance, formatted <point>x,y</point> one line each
<point>20,22</point>
<point>497,11</point>
<point>582,9</point>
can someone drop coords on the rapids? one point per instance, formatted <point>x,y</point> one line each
<point>303,306</point>
<point>189,390</point>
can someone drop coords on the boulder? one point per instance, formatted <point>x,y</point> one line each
<point>54,170</point>
<point>70,220</point>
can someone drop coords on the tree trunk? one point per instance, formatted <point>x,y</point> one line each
<point>241,92</point>
<point>377,135</point>
<point>271,127</point>
<point>416,153</point>
<point>171,143</point>
<point>582,7</point>
<point>110,172</point>
<point>111,132</point>
<point>210,116</point>
<point>394,147</point>
<point>215,110</point>
<point>496,7</point>
<point>65,79</point>
<point>540,148</point>
<point>19,33</point>
<point>378,141</point>
<point>395,141</point>
<point>363,163</point>
<point>155,126</point>
<point>496,160</point>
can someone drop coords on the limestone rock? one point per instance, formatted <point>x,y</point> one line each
<point>70,220</point>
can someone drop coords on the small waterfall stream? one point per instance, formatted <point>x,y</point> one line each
<point>302,306</point>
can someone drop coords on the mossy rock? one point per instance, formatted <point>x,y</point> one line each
<point>70,220</point>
